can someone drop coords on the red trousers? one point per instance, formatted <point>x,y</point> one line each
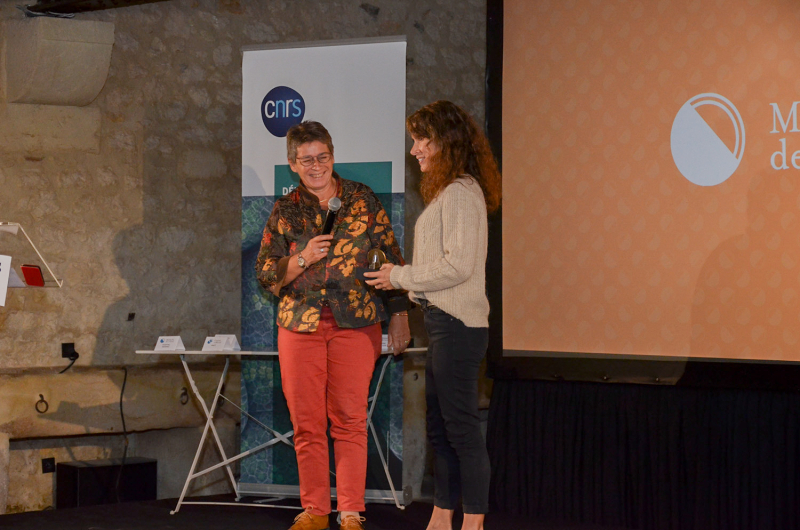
<point>326,375</point>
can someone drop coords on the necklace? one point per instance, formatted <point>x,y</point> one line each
<point>325,201</point>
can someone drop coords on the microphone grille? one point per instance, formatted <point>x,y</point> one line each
<point>334,203</point>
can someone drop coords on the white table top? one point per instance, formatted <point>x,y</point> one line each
<point>198,352</point>
<point>245,353</point>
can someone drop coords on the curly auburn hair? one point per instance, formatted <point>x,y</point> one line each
<point>463,149</point>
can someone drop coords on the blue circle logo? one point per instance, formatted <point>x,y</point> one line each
<point>281,108</point>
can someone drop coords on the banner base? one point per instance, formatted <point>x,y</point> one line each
<point>293,492</point>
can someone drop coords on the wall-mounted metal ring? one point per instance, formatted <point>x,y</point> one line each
<point>184,396</point>
<point>42,405</point>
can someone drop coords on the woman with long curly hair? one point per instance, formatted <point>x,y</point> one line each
<point>460,184</point>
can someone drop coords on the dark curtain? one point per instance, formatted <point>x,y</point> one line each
<point>646,457</point>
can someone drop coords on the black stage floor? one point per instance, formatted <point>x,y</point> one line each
<point>152,515</point>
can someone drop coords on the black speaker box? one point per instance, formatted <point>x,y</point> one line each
<point>94,482</point>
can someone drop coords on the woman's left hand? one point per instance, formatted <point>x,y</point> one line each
<point>399,334</point>
<point>381,277</point>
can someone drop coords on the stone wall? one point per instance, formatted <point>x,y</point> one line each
<point>141,217</point>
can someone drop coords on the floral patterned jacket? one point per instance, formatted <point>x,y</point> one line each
<point>360,225</point>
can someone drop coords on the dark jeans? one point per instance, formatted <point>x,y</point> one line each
<point>461,463</point>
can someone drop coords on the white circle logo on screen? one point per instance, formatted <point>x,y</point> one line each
<point>698,152</point>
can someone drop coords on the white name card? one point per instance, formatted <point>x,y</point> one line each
<point>169,344</point>
<point>5,268</point>
<point>14,280</point>
<point>214,344</point>
<point>231,343</point>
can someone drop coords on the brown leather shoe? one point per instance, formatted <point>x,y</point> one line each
<point>351,522</point>
<point>309,521</point>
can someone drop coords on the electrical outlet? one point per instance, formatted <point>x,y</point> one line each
<point>68,350</point>
<point>48,465</point>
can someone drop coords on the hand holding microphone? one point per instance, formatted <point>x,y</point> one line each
<point>318,247</point>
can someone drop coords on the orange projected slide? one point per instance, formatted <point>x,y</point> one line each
<point>652,178</point>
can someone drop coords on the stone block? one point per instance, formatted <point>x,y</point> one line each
<point>87,401</point>
<point>45,129</point>
<point>53,61</point>
<point>4,459</point>
<point>203,164</point>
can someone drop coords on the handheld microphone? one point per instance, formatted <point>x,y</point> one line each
<point>334,203</point>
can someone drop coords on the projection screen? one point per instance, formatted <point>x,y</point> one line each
<point>651,179</point>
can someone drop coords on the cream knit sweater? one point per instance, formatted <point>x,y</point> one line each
<point>449,265</point>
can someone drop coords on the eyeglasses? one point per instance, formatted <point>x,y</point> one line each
<point>308,161</point>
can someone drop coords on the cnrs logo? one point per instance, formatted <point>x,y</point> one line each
<point>281,108</point>
<point>699,153</point>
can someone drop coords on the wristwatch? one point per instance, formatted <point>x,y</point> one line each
<point>302,261</point>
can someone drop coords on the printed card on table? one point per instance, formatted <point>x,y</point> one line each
<point>231,343</point>
<point>174,343</point>
<point>5,268</point>
<point>213,344</point>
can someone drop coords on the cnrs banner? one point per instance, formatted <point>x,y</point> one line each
<point>356,90</point>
